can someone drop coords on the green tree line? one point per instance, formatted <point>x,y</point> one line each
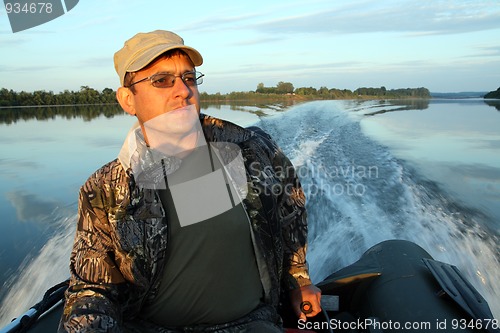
<point>493,94</point>
<point>87,95</point>
<point>324,92</point>
<point>286,89</point>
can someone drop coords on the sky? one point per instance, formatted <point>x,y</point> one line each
<point>443,45</point>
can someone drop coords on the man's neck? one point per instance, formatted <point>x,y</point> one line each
<point>179,145</point>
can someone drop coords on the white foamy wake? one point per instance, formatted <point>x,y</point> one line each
<point>49,267</point>
<point>359,194</point>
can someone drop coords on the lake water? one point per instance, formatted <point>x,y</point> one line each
<point>426,171</point>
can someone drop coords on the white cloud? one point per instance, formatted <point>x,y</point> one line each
<point>437,17</point>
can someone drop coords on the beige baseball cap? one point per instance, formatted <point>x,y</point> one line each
<point>143,48</point>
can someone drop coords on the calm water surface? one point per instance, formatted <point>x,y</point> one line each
<point>455,143</point>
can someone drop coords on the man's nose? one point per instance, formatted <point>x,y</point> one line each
<point>181,88</point>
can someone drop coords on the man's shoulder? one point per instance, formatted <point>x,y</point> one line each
<point>109,173</point>
<point>217,129</point>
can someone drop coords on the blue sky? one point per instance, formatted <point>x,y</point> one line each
<point>446,46</point>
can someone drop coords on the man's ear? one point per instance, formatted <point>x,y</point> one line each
<point>126,99</point>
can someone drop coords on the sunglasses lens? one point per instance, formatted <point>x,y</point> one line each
<point>166,80</point>
<point>163,80</point>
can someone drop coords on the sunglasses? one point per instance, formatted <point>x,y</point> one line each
<point>167,80</point>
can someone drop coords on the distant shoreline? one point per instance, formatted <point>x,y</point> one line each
<point>283,92</point>
<point>252,97</point>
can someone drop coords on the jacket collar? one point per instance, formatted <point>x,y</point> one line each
<point>214,129</point>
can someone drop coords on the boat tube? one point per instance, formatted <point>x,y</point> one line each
<point>396,286</point>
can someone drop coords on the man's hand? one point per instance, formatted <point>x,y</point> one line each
<point>311,294</point>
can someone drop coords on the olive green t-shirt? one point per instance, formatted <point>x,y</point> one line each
<point>211,274</point>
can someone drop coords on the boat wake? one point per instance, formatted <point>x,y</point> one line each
<point>359,194</point>
<point>40,272</point>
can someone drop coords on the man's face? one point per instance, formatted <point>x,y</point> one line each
<point>149,101</point>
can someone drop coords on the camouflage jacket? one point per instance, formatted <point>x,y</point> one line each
<point>121,238</point>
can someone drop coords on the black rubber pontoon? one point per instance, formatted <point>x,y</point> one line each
<point>395,283</point>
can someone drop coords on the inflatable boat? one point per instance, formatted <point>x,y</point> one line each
<point>396,286</point>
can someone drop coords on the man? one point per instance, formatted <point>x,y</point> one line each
<point>199,225</point>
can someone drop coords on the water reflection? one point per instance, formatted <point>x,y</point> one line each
<point>493,103</point>
<point>89,112</point>
<point>400,105</point>
<point>242,105</point>
<point>86,112</point>
<point>30,207</point>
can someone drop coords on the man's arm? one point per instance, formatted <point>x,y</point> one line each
<point>294,230</point>
<point>96,284</point>
<point>293,223</point>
